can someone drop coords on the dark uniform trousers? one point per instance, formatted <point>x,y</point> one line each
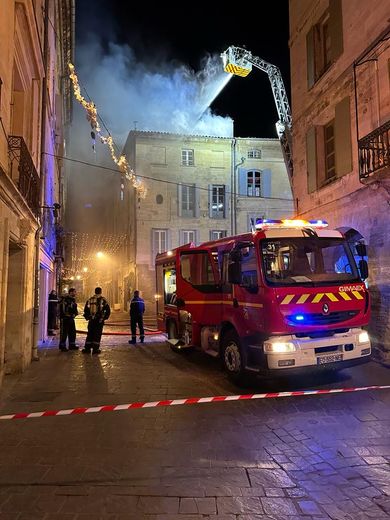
<point>68,330</point>
<point>95,330</point>
<point>135,320</point>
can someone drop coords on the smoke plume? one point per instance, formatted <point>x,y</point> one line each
<point>163,97</point>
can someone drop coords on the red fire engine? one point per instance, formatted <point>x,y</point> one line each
<point>282,299</point>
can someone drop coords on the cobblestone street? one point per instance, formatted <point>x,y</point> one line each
<point>311,457</point>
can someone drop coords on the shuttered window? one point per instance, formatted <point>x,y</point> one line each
<point>329,148</point>
<point>188,200</point>
<point>324,42</point>
<point>253,184</point>
<point>330,151</point>
<point>311,160</point>
<point>343,140</point>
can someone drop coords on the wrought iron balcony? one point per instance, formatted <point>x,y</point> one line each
<point>374,151</point>
<point>23,172</point>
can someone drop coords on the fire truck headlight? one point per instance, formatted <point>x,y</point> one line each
<point>280,347</point>
<point>364,337</point>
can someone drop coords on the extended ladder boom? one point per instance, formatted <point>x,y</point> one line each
<point>239,61</point>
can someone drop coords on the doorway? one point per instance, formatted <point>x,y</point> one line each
<point>15,319</point>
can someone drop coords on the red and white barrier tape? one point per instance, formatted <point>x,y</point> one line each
<point>123,333</point>
<point>191,400</point>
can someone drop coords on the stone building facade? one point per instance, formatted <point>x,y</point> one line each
<point>199,188</point>
<point>340,77</point>
<point>35,45</point>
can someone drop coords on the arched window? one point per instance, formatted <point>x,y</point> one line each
<point>255,153</point>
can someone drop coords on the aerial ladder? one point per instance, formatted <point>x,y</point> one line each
<point>239,61</point>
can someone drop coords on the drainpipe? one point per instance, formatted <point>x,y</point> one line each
<point>236,192</point>
<point>42,188</point>
<point>233,189</point>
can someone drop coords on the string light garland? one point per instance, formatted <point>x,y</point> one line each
<point>92,116</point>
<point>84,247</point>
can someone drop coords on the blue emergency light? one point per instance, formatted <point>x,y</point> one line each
<point>262,223</point>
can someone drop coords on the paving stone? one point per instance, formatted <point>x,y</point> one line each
<point>253,492</point>
<point>206,506</point>
<point>120,504</point>
<point>166,517</point>
<point>336,513</point>
<point>15,516</point>
<point>198,505</point>
<point>158,505</point>
<point>296,492</point>
<point>270,478</point>
<point>308,507</point>
<point>83,504</point>
<point>58,516</point>
<point>237,505</point>
<point>19,503</point>
<point>278,506</point>
<point>374,460</point>
<point>274,492</point>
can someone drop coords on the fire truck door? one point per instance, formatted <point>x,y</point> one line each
<point>199,290</point>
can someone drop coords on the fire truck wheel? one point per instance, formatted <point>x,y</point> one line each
<point>231,356</point>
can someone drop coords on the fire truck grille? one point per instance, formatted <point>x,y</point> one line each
<point>320,334</point>
<point>323,319</point>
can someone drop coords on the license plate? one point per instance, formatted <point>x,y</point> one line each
<point>329,359</point>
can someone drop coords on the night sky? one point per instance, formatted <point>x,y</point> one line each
<point>185,34</point>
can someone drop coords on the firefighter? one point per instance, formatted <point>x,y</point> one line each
<point>137,309</point>
<point>68,312</point>
<point>96,312</point>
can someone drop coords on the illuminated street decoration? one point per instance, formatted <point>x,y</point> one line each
<point>91,251</point>
<point>92,116</point>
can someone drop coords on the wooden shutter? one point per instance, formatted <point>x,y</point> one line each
<point>320,153</point>
<point>210,200</point>
<point>266,178</point>
<point>242,182</point>
<point>311,160</point>
<point>343,143</point>
<point>310,58</point>
<point>335,29</point>
<point>197,201</point>
<point>179,200</point>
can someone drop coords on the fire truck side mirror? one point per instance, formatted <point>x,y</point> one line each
<point>234,272</point>
<point>363,269</point>
<point>361,249</point>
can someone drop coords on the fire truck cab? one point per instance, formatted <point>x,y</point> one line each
<point>284,299</point>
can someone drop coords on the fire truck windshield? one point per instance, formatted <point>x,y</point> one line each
<point>307,261</point>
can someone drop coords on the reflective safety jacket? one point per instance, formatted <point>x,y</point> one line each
<point>97,308</point>
<point>68,307</point>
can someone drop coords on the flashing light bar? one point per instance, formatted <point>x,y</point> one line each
<point>262,223</point>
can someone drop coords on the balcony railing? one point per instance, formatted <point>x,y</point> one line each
<point>23,172</point>
<point>374,151</point>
